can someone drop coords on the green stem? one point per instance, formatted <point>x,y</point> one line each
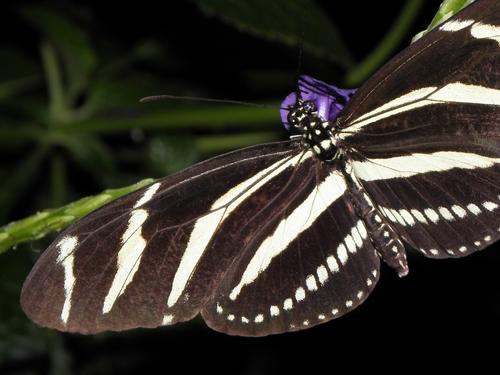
<point>447,9</point>
<point>387,45</point>
<point>57,180</point>
<point>53,76</point>
<point>43,223</point>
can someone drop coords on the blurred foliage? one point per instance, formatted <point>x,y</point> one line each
<point>71,123</point>
<point>291,22</point>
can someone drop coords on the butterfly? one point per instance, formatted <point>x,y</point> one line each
<point>284,236</point>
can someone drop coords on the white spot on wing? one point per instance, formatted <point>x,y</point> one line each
<point>66,259</point>
<point>432,215</point>
<point>342,254</point>
<point>357,237</point>
<point>288,304</point>
<point>490,206</point>
<point>473,208</point>
<point>418,215</point>
<point>362,229</point>
<point>167,320</point>
<point>446,213</point>
<point>459,211</point>
<point>311,283</point>
<point>274,310</point>
<point>219,308</point>
<point>407,217</point>
<point>332,264</point>
<point>350,244</point>
<point>300,294</point>
<point>128,259</point>
<point>322,273</point>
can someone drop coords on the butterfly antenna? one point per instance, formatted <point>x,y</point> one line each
<point>154,98</point>
<point>299,61</point>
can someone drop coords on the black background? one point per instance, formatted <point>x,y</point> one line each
<point>442,311</point>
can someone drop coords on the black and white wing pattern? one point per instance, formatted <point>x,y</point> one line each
<point>156,256</point>
<point>126,264</point>
<point>311,262</point>
<point>285,236</point>
<point>429,153</point>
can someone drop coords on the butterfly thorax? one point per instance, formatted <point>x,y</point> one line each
<point>317,133</point>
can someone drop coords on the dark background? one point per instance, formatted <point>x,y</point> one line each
<point>444,310</point>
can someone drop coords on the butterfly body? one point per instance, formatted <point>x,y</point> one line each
<point>316,132</point>
<point>283,236</point>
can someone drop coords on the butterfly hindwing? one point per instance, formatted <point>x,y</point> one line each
<point>313,261</point>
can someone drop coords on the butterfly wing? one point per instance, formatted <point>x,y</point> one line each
<point>313,261</point>
<point>429,154</point>
<point>136,261</point>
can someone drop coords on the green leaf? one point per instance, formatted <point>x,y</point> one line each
<point>286,21</point>
<point>180,118</point>
<point>447,10</point>
<point>79,58</point>
<point>43,223</point>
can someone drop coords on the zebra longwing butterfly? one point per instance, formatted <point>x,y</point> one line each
<point>283,236</point>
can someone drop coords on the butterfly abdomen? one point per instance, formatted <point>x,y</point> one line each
<point>385,240</point>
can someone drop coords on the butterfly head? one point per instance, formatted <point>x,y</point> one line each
<point>314,97</point>
<point>298,113</point>
<point>311,111</point>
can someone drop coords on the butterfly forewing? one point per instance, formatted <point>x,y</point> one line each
<point>129,263</point>
<point>429,153</point>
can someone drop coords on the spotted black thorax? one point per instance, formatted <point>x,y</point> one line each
<point>313,111</point>
<point>317,132</point>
